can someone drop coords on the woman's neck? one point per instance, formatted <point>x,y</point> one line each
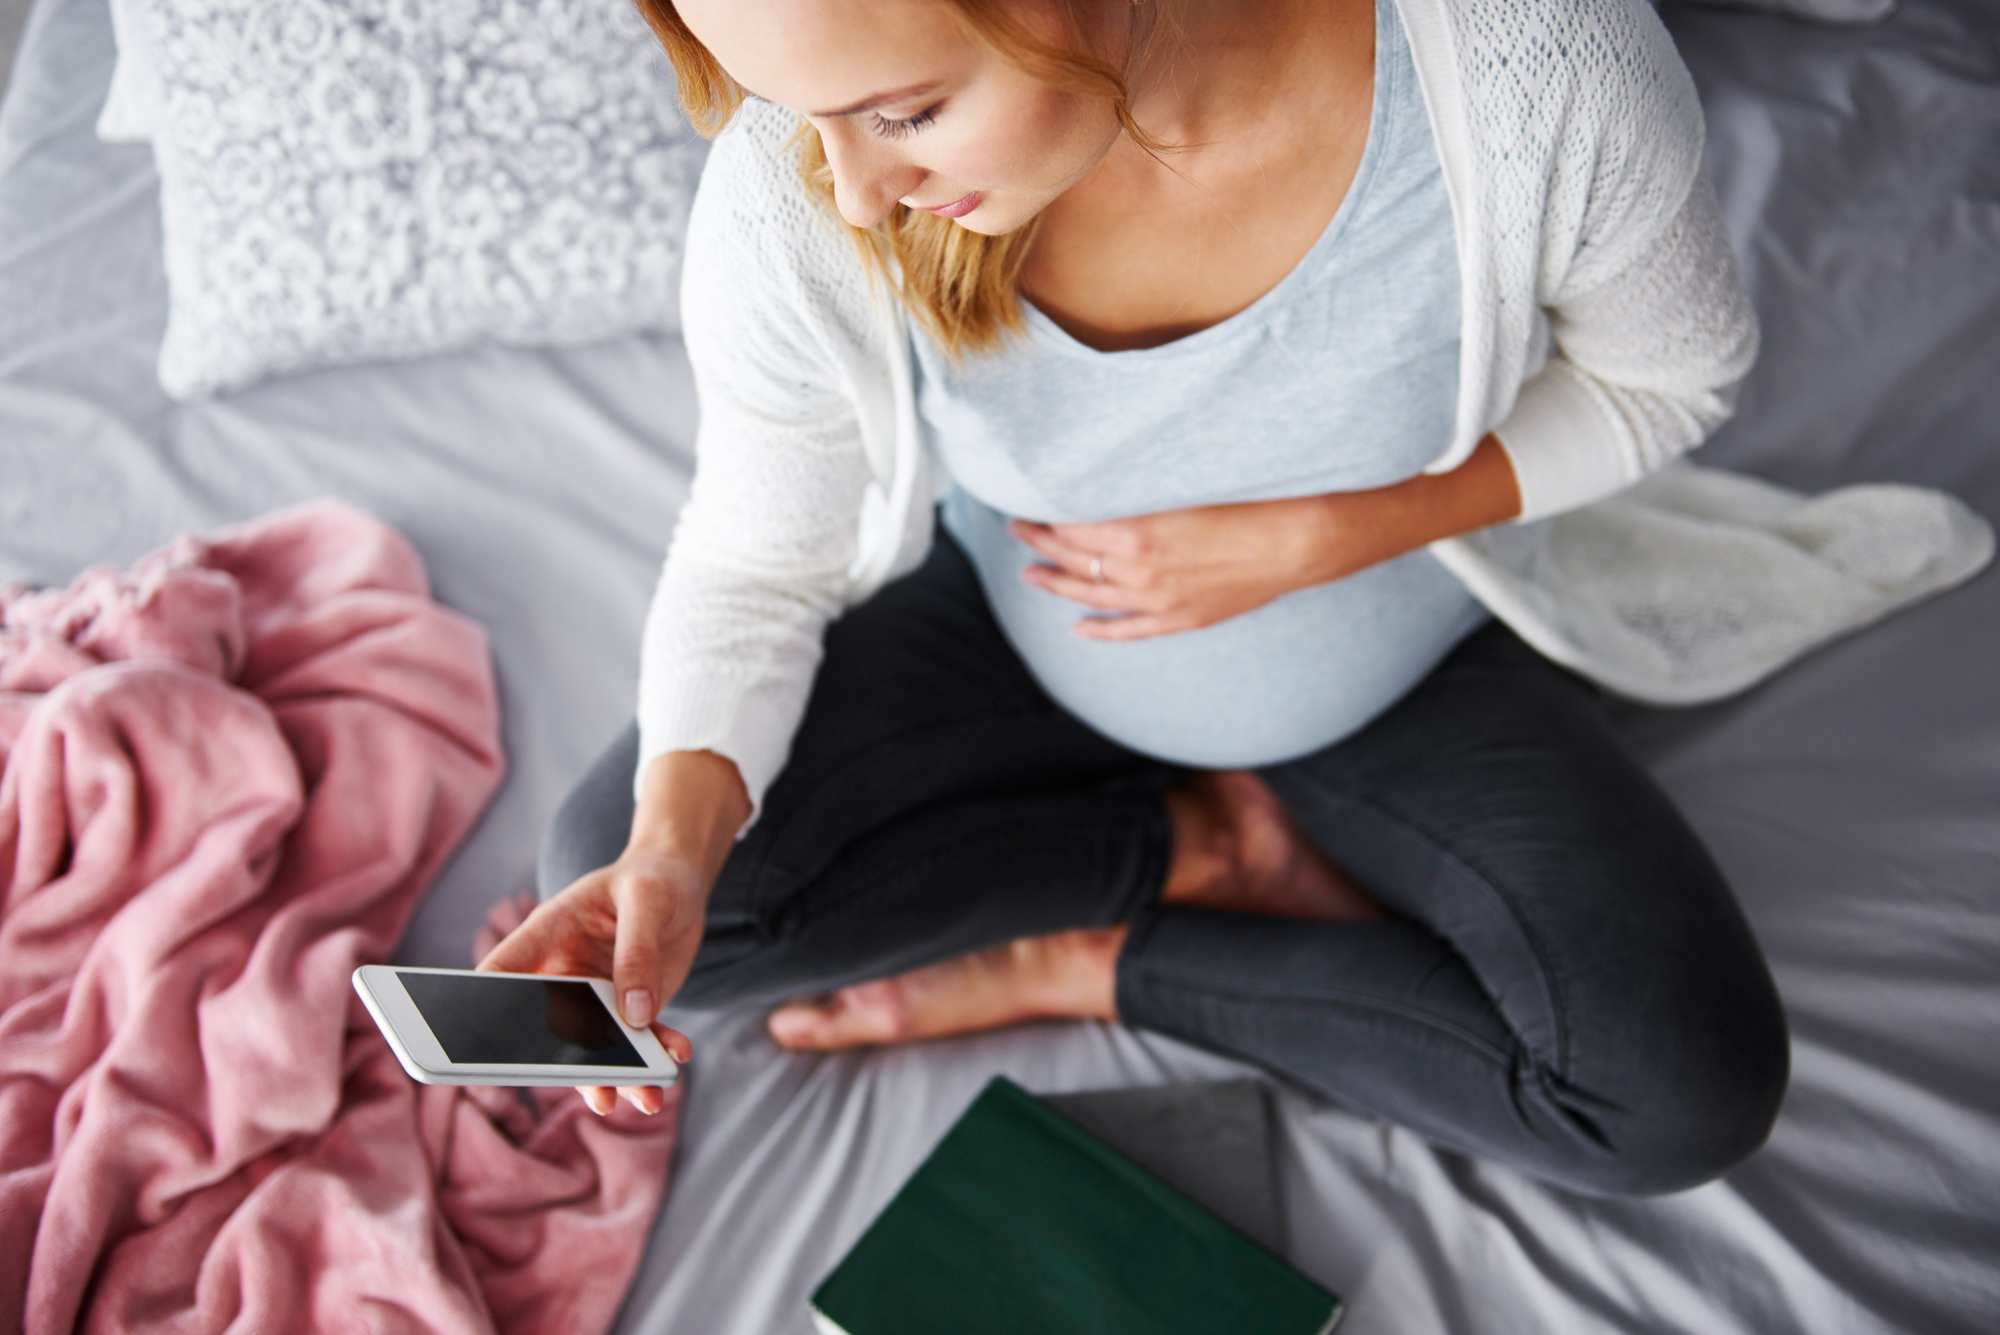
<point>1220,72</point>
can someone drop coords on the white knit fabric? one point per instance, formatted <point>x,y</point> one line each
<point>1696,583</point>
<point>1605,332</point>
<point>362,180</point>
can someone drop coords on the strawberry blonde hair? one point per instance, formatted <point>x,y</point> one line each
<point>961,285</point>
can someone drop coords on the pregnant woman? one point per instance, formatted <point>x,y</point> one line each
<point>1192,324</point>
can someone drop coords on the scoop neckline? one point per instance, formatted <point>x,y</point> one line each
<point>1251,318</point>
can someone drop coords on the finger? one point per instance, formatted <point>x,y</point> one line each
<point>635,958</point>
<point>648,1099</point>
<point>511,912</point>
<point>1110,535</point>
<point>1066,555</point>
<point>1075,562</point>
<point>1036,536</point>
<point>1116,538</point>
<point>600,1099</point>
<point>678,1045</point>
<point>1107,597</point>
<point>1028,530</point>
<point>1139,627</point>
<point>529,945</point>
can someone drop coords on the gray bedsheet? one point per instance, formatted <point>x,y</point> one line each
<point>1855,800</point>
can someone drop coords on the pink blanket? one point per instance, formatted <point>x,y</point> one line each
<point>229,774</point>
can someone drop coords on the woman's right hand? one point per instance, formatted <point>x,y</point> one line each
<point>637,922</point>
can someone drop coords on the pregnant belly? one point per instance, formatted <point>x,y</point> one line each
<point>1295,675</point>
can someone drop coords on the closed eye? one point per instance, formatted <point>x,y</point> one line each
<point>889,129</point>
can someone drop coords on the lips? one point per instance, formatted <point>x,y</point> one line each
<point>957,208</point>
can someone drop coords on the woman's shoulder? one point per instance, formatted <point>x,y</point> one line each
<point>763,134</point>
<point>1609,62</point>
<point>752,200</point>
<point>1584,105</point>
<point>755,231</point>
<point>767,263</point>
<point>750,181</point>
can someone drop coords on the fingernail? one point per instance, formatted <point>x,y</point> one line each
<point>639,1007</point>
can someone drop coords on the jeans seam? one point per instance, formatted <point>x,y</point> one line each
<point>1408,828</point>
<point>1328,996</point>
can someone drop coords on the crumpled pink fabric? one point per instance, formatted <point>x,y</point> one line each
<point>229,774</point>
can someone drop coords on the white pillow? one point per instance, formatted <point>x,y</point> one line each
<point>359,180</point>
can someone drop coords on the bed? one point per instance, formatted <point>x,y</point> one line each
<point>1854,800</point>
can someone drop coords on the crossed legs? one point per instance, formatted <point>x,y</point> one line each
<point>1476,917</point>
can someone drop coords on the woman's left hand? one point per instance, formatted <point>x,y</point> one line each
<point>1183,569</point>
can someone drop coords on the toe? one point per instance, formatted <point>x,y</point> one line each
<point>798,1024</point>
<point>867,1013</point>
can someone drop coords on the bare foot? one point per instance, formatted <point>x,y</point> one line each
<point>1237,848</point>
<point>1061,974</point>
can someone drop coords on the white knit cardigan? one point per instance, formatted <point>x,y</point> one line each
<point>1605,331</point>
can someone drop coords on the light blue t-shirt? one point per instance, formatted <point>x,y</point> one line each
<point>1342,377</point>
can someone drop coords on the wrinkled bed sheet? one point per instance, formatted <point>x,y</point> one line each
<point>1854,800</point>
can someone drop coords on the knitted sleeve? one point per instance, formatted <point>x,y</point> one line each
<point>1652,327</point>
<point>759,558</point>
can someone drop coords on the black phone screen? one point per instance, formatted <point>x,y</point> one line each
<point>483,1020</point>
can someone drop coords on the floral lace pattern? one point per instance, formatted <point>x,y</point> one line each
<point>357,180</point>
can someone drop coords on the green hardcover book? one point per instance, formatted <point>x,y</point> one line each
<point>1021,1222</point>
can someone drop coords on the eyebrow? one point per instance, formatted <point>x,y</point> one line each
<point>867,103</point>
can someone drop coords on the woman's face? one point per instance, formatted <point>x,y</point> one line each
<point>957,120</point>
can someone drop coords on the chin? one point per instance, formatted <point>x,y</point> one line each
<point>991,220</point>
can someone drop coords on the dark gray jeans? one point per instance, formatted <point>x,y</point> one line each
<point>1566,983</point>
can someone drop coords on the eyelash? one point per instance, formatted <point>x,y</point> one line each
<point>889,129</point>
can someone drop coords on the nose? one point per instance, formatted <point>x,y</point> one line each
<point>868,178</point>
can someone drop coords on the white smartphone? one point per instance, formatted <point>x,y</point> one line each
<point>462,1027</point>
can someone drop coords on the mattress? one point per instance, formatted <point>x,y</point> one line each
<point>1854,800</point>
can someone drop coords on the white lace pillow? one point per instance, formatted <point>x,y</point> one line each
<point>360,180</point>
